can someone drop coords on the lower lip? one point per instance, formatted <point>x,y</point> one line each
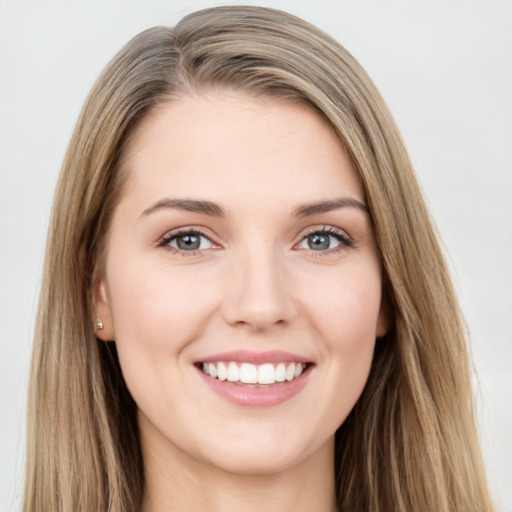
<point>253,396</point>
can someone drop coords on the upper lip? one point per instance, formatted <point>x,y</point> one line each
<point>249,356</point>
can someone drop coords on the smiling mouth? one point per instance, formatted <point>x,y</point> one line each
<point>255,374</point>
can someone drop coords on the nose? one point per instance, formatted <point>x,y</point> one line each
<point>259,295</point>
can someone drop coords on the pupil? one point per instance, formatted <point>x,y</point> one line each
<point>318,242</point>
<point>188,242</point>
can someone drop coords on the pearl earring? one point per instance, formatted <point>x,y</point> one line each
<point>99,324</point>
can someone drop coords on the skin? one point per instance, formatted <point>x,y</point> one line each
<point>255,284</point>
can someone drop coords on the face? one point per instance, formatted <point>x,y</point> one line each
<point>241,283</point>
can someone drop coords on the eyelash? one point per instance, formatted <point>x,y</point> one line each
<point>169,237</point>
<point>343,238</point>
<point>345,241</point>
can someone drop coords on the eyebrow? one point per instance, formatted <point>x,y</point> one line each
<point>189,205</point>
<point>214,210</point>
<point>308,209</point>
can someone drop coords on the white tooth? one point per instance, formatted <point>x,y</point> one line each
<point>248,373</point>
<point>205,368</point>
<point>280,372</point>
<point>233,372</point>
<point>298,369</point>
<point>222,372</point>
<point>266,374</point>
<point>212,370</point>
<point>290,371</point>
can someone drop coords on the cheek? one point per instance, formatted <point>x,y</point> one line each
<point>345,311</point>
<point>155,312</point>
<point>345,307</point>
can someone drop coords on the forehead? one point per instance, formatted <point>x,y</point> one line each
<point>233,146</point>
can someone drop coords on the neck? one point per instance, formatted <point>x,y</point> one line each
<point>174,481</point>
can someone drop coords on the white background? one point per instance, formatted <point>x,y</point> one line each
<point>445,69</point>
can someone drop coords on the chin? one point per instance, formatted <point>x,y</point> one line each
<point>264,454</point>
<point>257,462</point>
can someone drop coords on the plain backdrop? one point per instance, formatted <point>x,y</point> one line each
<point>445,69</point>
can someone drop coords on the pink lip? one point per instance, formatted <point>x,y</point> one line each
<point>248,356</point>
<point>253,395</point>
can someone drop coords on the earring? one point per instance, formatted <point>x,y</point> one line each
<point>99,324</point>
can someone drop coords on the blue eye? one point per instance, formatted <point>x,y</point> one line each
<point>187,241</point>
<point>325,240</point>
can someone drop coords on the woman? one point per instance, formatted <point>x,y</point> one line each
<point>244,302</point>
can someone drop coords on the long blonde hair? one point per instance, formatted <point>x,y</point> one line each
<point>410,443</point>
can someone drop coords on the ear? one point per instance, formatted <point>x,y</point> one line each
<point>102,311</point>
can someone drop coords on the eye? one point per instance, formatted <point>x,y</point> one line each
<point>187,241</point>
<point>326,239</point>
